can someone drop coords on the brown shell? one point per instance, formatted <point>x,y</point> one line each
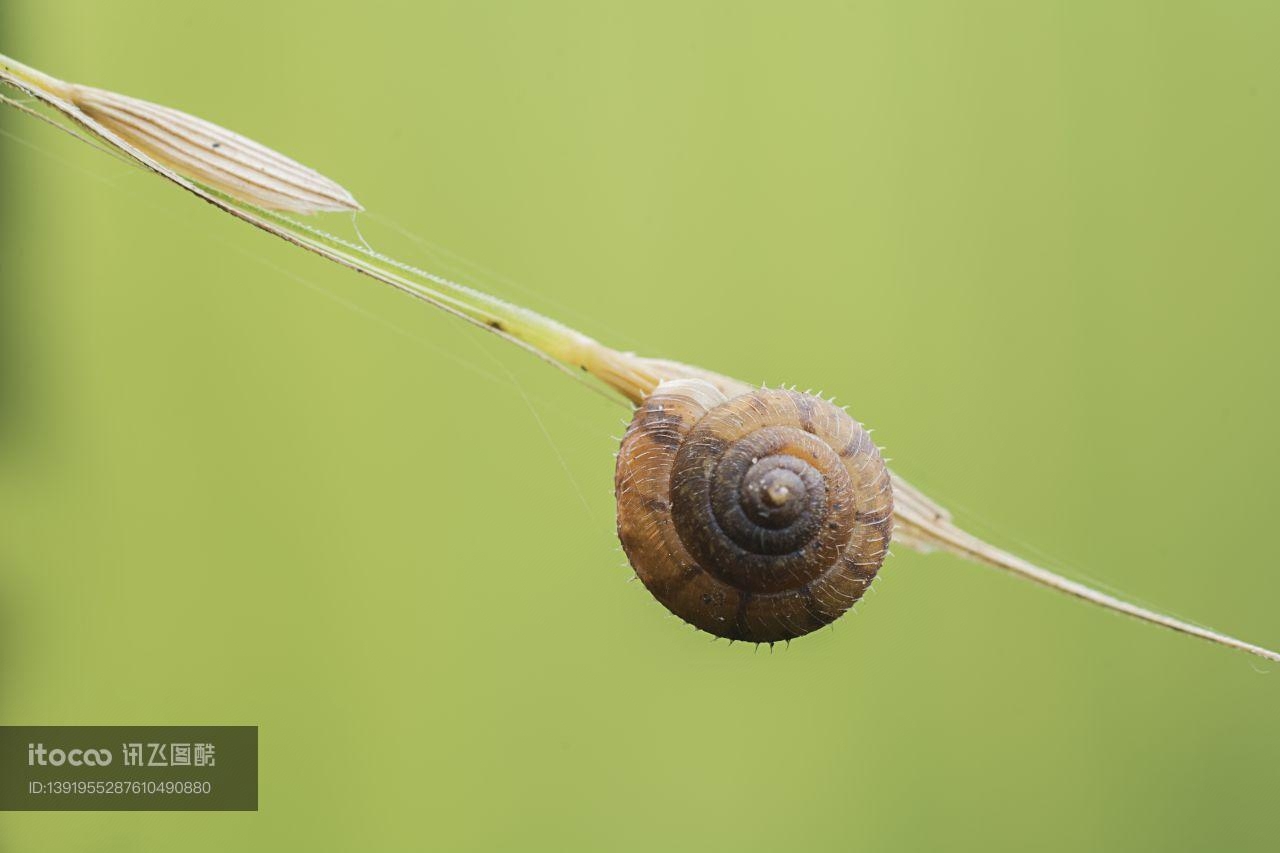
<point>760,518</point>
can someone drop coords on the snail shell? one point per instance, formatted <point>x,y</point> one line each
<point>760,518</point>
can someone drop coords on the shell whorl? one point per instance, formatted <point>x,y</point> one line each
<point>761,518</point>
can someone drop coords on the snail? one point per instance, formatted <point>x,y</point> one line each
<point>760,517</point>
<point>752,514</point>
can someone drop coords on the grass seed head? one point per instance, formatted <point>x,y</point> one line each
<point>214,156</point>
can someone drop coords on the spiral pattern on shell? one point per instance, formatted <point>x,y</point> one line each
<point>761,518</point>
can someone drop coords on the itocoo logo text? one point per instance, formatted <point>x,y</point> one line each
<point>38,755</point>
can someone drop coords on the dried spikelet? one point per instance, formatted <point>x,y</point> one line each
<point>213,155</point>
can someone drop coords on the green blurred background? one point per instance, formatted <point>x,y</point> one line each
<point>1033,244</point>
